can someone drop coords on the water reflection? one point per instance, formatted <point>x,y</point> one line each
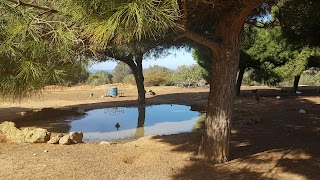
<point>141,119</point>
<point>127,122</point>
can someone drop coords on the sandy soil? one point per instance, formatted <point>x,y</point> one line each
<point>284,145</point>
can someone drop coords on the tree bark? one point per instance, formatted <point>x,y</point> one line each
<point>296,83</point>
<point>216,137</point>
<point>137,71</point>
<point>239,81</point>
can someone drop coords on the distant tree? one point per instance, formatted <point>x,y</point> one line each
<point>202,55</point>
<point>129,79</point>
<point>188,74</point>
<point>99,78</point>
<point>120,72</point>
<point>279,58</point>
<point>158,75</point>
<point>299,20</point>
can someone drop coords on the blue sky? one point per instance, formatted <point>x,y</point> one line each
<point>173,60</point>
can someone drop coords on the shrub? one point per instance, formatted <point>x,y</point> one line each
<point>99,78</point>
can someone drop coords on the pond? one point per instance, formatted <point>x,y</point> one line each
<point>134,122</point>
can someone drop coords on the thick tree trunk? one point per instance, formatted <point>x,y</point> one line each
<point>216,137</point>
<point>239,81</point>
<point>296,83</point>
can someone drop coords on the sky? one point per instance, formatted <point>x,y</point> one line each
<point>173,60</point>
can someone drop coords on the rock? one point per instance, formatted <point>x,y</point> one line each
<point>45,151</point>
<point>28,135</point>
<point>55,139</point>
<point>38,135</point>
<point>7,126</point>
<point>105,143</point>
<point>76,137</point>
<point>65,140</point>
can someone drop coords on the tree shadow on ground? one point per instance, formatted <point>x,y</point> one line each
<point>284,145</point>
<point>284,142</point>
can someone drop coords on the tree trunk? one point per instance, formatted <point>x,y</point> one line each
<point>140,83</point>
<point>239,81</point>
<point>216,137</point>
<point>296,83</point>
<point>138,76</point>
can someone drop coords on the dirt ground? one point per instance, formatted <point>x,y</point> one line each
<point>285,144</point>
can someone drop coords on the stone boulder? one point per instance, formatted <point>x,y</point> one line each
<point>28,135</point>
<point>76,137</point>
<point>66,140</point>
<point>55,139</point>
<point>38,135</point>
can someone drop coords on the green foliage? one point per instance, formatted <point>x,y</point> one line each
<point>99,78</point>
<point>203,57</point>
<point>76,72</point>
<point>310,77</point>
<point>33,50</point>
<point>188,74</point>
<point>279,59</point>
<point>120,72</point>
<point>157,75</point>
<point>129,79</point>
<point>125,20</point>
<point>300,21</point>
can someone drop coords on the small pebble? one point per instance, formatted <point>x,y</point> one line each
<point>35,154</point>
<point>105,143</point>
<point>45,151</point>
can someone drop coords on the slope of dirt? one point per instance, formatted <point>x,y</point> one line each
<point>285,144</point>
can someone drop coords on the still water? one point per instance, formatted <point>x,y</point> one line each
<point>135,122</point>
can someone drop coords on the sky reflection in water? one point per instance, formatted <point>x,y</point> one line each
<point>99,124</point>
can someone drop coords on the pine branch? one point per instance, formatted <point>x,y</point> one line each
<point>21,3</point>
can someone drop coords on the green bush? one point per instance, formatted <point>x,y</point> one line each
<point>129,79</point>
<point>158,76</point>
<point>99,78</point>
<point>188,74</point>
<point>120,72</point>
<point>310,77</point>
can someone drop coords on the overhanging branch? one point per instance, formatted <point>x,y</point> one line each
<point>211,44</point>
<point>21,3</point>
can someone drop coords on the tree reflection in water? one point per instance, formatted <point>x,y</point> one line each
<point>141,120</point>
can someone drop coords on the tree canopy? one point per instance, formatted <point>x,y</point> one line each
<point>35,49</point>
<point>299,20</point>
